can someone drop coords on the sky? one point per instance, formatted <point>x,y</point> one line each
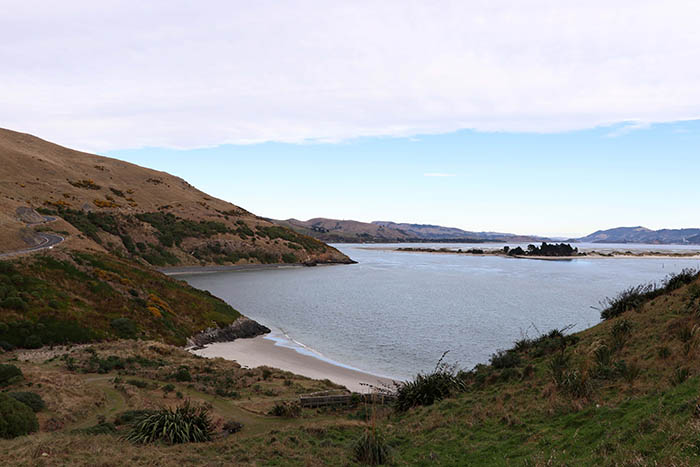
<point>549,117</point>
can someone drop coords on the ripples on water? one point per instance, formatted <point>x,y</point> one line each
<point>395,313</point>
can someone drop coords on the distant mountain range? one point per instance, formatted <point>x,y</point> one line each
<point>643,235</point>
<point>349,231</point>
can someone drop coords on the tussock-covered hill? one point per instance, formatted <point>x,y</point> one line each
<point>107,204</point>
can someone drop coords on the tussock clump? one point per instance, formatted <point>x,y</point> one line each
<point>371,448</point>
<point>427,389</point>
<point>289,409</point>
<point>185,424</point>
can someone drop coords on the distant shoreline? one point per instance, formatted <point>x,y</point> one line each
<point>588,254</point>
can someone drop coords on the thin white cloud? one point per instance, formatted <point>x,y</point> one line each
<point>627,128</point>
<point>116,74</point>
<point>438,174</point>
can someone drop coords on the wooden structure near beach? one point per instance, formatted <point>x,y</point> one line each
<point>342,398</point>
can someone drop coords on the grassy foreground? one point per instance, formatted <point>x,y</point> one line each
<point>624,392</point>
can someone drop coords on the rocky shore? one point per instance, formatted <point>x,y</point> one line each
<point>242,328</point>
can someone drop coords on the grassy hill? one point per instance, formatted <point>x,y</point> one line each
<point>349,231</point>
<point>104,204</point>
<point>624,392</point>
<point>644,235</point>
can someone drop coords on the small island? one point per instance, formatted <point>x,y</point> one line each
<point>551,251</point>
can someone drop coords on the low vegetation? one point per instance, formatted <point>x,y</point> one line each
<point>184,424</point>
<point>624,392</point>
<point>82,297</point>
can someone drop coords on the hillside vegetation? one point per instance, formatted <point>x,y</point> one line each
<point>104,204</point>
<point>624,392</point>
<point>79,297</point>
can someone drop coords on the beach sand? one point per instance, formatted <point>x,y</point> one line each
<point>262,351</point>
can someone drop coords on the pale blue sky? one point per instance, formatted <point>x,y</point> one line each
<point>560,184</point>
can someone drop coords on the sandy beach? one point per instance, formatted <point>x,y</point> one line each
<point>264,351</point>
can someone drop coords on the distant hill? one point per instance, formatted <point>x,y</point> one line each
<point>350,231</point>
<point>644,235</point>
<point>142,214</point>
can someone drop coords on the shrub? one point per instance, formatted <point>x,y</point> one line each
<point>138,383</point>
<point>102,428</point>
<point>505,359</point>
<point>16,418</point>
<point>576,384</point>
<point>628,371</point>
<point>620,332</point>
<point>14,303</point>
<point>289,409</point>
<point>185,424</point>
<point>183,374</point>
<point>558,365</point>
<point>629,299</point>
<point>124,328</point>
<point>131,416</point>
<point>9,373</point>
<point>427,389</point>
<point>232,427</point>
<point>371,448</point>
<point>168,388</point>
<point>31,399</point>
<point>32,342</point>
<point>634,297</point>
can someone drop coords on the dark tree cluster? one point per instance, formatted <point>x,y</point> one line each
<point>546,249</point>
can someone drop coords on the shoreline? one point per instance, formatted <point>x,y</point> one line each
<point>187,270</point>
<point>269,351</point>
<point>589,255</point>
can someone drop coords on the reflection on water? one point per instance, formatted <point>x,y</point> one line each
<point>395,313</point>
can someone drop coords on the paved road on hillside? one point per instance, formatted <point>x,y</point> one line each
<point>48,240</point>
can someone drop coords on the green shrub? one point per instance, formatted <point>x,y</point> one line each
<point>32,342</point>
<point>124,328</point>
<point>289,409</point>
<point>505,359</point>
<point>183,374</point>
<point>16,418</point>
<point>576,384</point>
<point>14,303</point>
<point>131,416</point>
<point>429,388</point>
<point>102,428</point>
<point>185,424</point>
<point>634,297</point>
<point>138,383</point>
<point>231,427</point>
<point>9,373</point>
<point>31,399</point>
<point>371,448</point>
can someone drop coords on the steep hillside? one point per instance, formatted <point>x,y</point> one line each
<point>644,235</point>
<point>349,231</point>
<point>150,216</point>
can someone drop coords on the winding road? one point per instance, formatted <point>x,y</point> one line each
<point>48,240</point>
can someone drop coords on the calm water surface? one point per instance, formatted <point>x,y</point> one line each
<point>395,313</point>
